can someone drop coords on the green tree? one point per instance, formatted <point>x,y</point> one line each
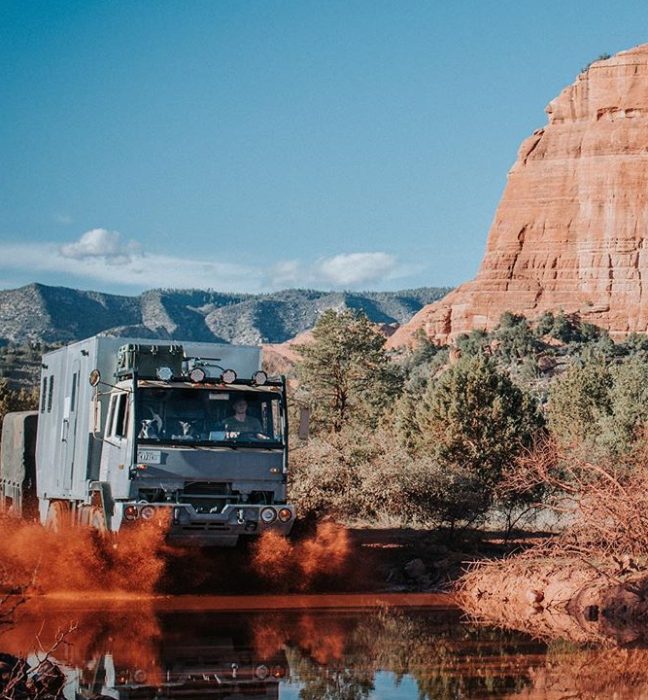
<point>578,401</point>
<point>628,399</point>
<point>476,418</point>
<point>474,343</point>
<point>346,372</point>
<point>514,337</point>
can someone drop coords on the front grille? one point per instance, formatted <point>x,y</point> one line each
<point>207,488</point>
<point>206,496</point>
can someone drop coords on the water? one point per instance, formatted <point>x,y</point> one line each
<point>392,647</point>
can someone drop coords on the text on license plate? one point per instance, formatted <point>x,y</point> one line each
<point>149,456</point>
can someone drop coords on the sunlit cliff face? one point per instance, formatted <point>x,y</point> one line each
<point>570,231</point>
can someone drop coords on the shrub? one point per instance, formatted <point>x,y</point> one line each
<point>351,477</point>
<point>474,417</point>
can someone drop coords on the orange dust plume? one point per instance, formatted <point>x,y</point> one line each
<point>80,559</point>
<point>299,565</point>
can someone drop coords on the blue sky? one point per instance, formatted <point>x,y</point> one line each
<point>263,144</point>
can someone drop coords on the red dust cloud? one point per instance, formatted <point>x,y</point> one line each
<point>299,565</point>
<point>137,561</point>
<point>80,559</point>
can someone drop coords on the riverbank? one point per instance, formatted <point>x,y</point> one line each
<point>573,598</point>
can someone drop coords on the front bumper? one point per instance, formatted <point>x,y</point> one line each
<point>185,526</point>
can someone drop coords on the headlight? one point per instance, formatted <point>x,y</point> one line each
<point>147,512</point>
<point>262,672</point>
<point>268,515</point>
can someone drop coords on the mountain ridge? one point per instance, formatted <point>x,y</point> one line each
<point>38,312</point>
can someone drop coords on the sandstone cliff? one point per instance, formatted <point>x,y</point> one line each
<point>570,231</point>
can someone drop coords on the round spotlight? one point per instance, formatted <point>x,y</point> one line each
<point>278,671</point>
<point>130,513</point>
<point>268,515</point>
<point>147,513</point>
<point>260,378</point>
<point>285,514</point>
<point>229,376</point>
<point>140,676</point>
<point>197,375</point>
<point>164,374</point>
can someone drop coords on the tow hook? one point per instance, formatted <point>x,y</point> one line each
<point>239,516</point>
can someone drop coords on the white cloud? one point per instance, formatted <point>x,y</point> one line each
<point>102,256</point>
<point>357,268</point>
<point>99,243</point>
<point>99,255</point>
<point>342,271</point>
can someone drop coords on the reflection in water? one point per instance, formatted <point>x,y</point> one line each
<point>151,649</point>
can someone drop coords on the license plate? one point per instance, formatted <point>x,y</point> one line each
<point>149,456</point>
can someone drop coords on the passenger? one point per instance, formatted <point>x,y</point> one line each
<point>149,429</point>
<point>240,422</point>
<point>187,431</point>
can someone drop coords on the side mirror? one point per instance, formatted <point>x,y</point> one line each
<point>304,422</point>
<point>95,377</point>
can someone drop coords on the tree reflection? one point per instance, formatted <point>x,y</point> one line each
<point>133,649</point>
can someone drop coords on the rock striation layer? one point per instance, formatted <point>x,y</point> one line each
<point>570,231</point>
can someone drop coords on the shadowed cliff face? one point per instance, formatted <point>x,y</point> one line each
<point>570,231</point>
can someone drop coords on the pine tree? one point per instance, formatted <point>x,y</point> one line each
<point>346,371</point>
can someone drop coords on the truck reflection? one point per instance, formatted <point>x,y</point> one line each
<point>220,670</point>
<point>128,654</point>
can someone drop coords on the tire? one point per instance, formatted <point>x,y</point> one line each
<point>58,516</point>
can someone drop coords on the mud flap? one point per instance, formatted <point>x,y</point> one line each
<point>102,498</point>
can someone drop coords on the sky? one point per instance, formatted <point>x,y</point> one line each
<point>257,145</point>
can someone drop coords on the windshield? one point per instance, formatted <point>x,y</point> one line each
<point>206,416</point>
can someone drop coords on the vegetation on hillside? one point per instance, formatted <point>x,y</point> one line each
<point>436,435</point>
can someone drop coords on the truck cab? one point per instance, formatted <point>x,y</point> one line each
<point>218,476</point>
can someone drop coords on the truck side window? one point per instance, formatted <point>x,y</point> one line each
<point>75,379</point>
<point>111,415</point>
<point>121,419</point>
<point>43,398</point>
<point>50,394</point>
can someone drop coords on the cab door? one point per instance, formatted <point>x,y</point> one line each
<point>116,454</point>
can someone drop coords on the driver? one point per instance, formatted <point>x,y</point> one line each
<point>240,422</point>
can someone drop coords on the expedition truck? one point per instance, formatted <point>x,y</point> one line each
<point>129,430</point>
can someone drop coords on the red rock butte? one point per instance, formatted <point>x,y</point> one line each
<point>570,231</point>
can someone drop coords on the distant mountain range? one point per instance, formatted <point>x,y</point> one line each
<point>49,314</point>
